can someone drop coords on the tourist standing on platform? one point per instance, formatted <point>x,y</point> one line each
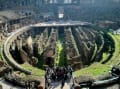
<point>62,83</point>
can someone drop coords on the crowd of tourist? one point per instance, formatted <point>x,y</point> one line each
<point>57,74</point>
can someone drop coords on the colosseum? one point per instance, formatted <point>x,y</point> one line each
<point>59,44</point>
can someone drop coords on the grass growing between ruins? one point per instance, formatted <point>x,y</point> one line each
<point>105,56</point>
<point>116,55</point>
<point>59,50</point>
<point>60,59</point>
<point>94,70</point>
<point>35,71</point>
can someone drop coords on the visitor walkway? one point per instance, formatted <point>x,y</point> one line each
<point>57,85</point>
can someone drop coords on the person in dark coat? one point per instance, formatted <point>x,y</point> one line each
<point>62,83</point>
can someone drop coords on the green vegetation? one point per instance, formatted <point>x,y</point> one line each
<point>59,50</point>
<point>60,59</point>
<point>110,57</point>
<point>94,70</point>
<point>35,71</point>
<point>105,56</point>
<point>108,48</point>
<point>116,55</point>
<point>111,51</point>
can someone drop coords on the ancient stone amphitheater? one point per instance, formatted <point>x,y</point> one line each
<point>29,43</point>
<point>30,49</point>
<point>44,39</point>
<point>40,37</point>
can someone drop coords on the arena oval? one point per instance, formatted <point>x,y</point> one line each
<point>54,43</point>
